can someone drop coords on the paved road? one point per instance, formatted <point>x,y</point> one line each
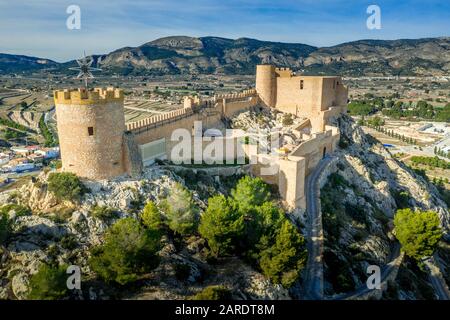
<point>394,259</point>
<point>313,282</point>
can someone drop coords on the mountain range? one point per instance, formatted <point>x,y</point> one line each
<point>205,55</point>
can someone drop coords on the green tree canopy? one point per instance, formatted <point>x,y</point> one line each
<point>250,192</point>
<point>49,283</point>
<point>213,293</point>
<point>222,225</point>
<point>418,232</point>
<point>263,220</point>
<point>4,227</point>
<point>283,261</point>
<point>65,186</point>
<point>361,108</point>
<point>128,252</point>
<point>151,217</point>
<point>180,210</point>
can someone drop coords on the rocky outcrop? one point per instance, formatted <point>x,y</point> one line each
<point>365,194</point>
<point>66,239</point>
<point>375,171</point>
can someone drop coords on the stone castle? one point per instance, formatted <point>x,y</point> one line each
<point>96,143</point>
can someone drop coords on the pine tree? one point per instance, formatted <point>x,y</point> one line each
<point>418,232</point>
<point>283,261</point>
<point>222,225</point>
<point>151,217</point>
<point>180,210</point>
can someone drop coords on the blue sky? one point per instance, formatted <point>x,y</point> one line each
<point>38,27</point>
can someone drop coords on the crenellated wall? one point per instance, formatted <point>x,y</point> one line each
<point>96,143</point>
<point>208,111</point>
<point>159,120</point>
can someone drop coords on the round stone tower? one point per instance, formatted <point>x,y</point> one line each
<point>266,84</point>
<point>91,126</point>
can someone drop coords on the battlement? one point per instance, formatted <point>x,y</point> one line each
<point>284,72</point>
<point>234,96</point>
<point>282,69</point>
<point>90,96</point>
<point>195,102</point>
<point>159,119</point>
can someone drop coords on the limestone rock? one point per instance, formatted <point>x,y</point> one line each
<point>262,289</point>
<point>19,286</point>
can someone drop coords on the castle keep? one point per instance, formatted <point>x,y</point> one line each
<point>96,143</point>
<point>313,97</point>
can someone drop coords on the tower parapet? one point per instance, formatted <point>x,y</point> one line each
<point>83,96</point>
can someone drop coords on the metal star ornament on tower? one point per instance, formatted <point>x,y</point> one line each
<point>85,69</point>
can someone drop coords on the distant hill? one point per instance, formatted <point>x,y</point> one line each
<point>10,63</point>
<point>182,55</point>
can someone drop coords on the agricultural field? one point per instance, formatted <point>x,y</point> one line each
<point>25,100</point>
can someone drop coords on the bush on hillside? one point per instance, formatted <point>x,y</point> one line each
<point>129,251</point>
<point>66,186</point>
<point>222,225</point>
<point>180,210</point>
<point>151,217</point>
<point>418,232</point>
<point>213,293</point>
<point>49,283</point>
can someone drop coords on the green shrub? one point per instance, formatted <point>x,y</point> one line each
<point>283,261</point>
<point>222,225</point>
<point>128,252</point>
<point>339,272</point>
<point>13,134</point>
<point>18,210</point>
<point>287,119</point>
<point>151,217</point>
<point>4,227</point>
<point>434,162</point>
<point>343,142</point>
<point>418,232</point>
<point>104,213</point>
<point>180,210</point>
<point>361,108</point>
<point>11,124</point>
<point>61,215</point>
<point>65,186</point>
<point>401,199</point>
<point>213,293</point>
<point>49,283</point>
<point>48,136</point>
<point>69,242</point>
<point>248,223</point>
<point>250,192</point>
<point>261,221</point>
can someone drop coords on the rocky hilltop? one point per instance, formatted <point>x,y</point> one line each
<point>206,55</point>
<point>63,232</point>
<point>358,200</point>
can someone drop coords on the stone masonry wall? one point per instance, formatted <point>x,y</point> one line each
<point>90,129</point>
